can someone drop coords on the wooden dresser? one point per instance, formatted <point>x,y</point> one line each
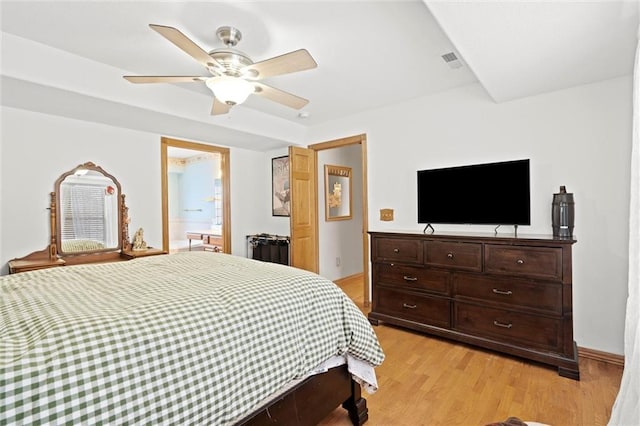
<point>507,294</point>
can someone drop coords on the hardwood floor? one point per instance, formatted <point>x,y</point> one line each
<point>431,381</point>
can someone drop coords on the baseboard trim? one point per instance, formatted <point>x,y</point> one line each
<point>596,355</point>
<point>347,280</point>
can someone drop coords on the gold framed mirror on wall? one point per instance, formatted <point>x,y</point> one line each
<point>337,183</point>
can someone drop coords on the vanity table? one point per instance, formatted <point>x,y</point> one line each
<point>134,254</point>
<point>89,223</point>
<point>211,240</point>
<point>33,263</point>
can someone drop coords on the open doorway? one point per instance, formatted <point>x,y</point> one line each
<point>195,197</point>
<point>350,152</point>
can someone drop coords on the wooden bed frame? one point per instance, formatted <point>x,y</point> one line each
<point>312,400</point>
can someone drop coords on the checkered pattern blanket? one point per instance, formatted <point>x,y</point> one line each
<point>188,338</point>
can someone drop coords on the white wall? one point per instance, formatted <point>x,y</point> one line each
<point>37,148</point>
<point>278,225</point>
<point>342,238</point>
<point>579,137</point>
<point>250,197</point>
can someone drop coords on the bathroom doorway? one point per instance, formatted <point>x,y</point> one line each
<point>195,197</point>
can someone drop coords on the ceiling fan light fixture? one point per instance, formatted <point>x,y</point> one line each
<point>233,74</point>
<point>230,90</point>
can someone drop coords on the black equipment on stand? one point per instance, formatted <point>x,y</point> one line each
<point>269,248</point>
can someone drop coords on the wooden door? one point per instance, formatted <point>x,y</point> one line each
<point>304,209</point>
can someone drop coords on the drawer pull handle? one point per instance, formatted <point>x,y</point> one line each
<point>501,324</point>
<point>450,255</point>
<point>395,250</point>
<point>506,293</point>
<point>520,262</point>
<point>406,278</point>
<point>404,305</point>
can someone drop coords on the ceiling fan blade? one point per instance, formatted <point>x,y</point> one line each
<point>219,108</point>
<point>163,79</point>
<point>279,96</point>
<point>186,44</point>
<point>298,60</point>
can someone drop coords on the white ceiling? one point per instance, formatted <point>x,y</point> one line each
<point>370,54</point>
<point>524,48</point>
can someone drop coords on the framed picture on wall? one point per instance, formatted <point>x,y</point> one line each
<point>280,196</point>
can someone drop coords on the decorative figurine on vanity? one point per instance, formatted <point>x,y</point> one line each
<point>138,240</point>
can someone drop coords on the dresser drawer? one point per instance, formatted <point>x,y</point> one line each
<point>508,327</point>
<point>397,250</point>
<point>539,262</point>
<point>423,309</point>
<point>537,296</point>
<point>412,277</point>
<point>467,256</point>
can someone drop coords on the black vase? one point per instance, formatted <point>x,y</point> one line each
<point>562,214</point>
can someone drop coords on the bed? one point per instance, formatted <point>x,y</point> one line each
<point>187,338</point>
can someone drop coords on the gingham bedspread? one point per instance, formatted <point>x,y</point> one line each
<point>188,338</point>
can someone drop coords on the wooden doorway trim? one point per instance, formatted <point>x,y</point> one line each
<point>362,141</point>
<point>165,143</point>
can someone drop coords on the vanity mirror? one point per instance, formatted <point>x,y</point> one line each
<point>337,182</point>
<point>89,206</point>
<point>89,223</point>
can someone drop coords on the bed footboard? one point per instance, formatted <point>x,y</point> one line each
<point>312,400</point>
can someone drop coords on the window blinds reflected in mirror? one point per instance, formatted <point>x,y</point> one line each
<point>88,213</point>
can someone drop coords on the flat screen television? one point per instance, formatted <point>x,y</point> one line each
<point>482,194</point>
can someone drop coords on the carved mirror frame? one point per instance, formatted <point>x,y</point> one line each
<point>56,217</point>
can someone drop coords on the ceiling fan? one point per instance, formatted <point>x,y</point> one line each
<point>234,76</point>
